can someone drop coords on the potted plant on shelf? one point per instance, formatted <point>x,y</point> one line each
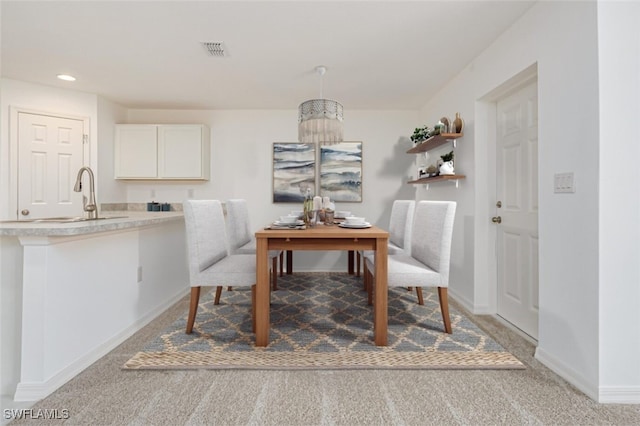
<point>447,157</point>
<point>421,134</point>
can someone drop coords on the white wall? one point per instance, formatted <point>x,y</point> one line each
<point>96,296</point>
<point>10,320</point>
<point>241,164</point>
<point>619,275</point>
<point>107,188</point>
<point>561,39</point>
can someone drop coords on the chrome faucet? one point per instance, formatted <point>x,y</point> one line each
<point>90,207</point>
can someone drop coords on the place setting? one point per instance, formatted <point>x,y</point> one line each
<point>290,221</point>
<point>354,222</point>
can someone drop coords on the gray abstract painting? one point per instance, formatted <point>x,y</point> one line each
<point>294,170</point>
<point>341,171</point>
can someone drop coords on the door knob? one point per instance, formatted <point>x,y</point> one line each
<point>25,212</point>
<point>496,219</point>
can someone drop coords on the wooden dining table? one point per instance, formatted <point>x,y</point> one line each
<point>321,237</point>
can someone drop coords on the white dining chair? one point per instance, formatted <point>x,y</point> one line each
<point>427,264</point>
<point>400,223</point>
<point>241,238</point>
<point>210,263</point>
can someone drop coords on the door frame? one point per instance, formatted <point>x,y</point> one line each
<point>14,111</point>
<point>485,252</point>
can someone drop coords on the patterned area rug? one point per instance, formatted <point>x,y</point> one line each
<point>322,321</point>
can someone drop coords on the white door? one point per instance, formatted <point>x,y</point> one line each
<point>50,153</point>
<point>517,207</point>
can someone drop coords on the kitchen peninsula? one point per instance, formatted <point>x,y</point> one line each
<point>80,289</point>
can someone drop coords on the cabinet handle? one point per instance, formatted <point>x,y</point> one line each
<point>496,219</point>
<point>25,212</point>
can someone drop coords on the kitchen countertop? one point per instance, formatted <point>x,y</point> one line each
<point>121,220</point>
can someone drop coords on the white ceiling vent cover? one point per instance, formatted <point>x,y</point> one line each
<point>215,48</point>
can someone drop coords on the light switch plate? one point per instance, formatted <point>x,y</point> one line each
<point>563,183</point>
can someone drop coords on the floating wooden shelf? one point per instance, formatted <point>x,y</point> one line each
<point>440,178</point>
<point>434,142</point>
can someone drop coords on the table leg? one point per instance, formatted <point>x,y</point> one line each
<point>350,257</point>
<point>262,292</point>
<point>380,294</point>
<point>289,262</point>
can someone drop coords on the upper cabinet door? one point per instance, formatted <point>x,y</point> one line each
<point>183,152</point>
<point>136,151</point>
<point>162,152</point>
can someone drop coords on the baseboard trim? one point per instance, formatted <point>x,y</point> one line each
<point>468,304</point>
<point>619,395</point>
<point>515,329</point>
<point>34,391</point>
<point>567,373</point>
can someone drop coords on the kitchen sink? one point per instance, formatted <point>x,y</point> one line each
<point>63,219</point>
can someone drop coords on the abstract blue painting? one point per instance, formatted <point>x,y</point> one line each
<point>294,170</point>
<point>341,171</point>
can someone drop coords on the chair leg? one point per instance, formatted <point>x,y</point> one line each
<point>444,307</point>
<point>364,275</point>
<point>281,263</point>
<point>409,288</point>
<point>229,288</point>
<point>289,262</point>
<point>274,273</point>
<point>193,308</point>
<point>218,293</point>
<point>358,263</point>
<point>420,299</point>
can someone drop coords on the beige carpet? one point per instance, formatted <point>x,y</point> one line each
<point>322,321</point>
<point>105,394</point>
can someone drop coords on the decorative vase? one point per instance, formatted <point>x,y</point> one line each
<point>458,124</point>
<point>446,168</point>
<point>307,209</point>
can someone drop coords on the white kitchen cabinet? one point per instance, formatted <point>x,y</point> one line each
<point>136,151</point>
<point>162,152</point>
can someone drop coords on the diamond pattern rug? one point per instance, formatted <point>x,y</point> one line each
<point>322,321</point>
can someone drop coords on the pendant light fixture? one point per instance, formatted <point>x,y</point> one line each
<point>320,120</point>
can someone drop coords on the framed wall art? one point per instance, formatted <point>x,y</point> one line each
<point>294,170</point>
<point>341,171</point>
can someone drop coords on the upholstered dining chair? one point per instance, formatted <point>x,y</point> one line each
<point>241,239</point>
<point>400,223</point>
<point>210,263</point>
<point>427,264</point>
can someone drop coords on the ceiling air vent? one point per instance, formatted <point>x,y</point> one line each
<point>215,48</point>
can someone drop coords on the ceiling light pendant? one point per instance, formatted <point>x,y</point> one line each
<point>320,120</point>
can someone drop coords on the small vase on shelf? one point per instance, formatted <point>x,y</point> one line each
<point>458,124</point>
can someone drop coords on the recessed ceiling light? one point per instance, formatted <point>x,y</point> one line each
<point>66,77</point>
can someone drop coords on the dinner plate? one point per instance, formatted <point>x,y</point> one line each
<point>296,223</point>
<point>355,225</point>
